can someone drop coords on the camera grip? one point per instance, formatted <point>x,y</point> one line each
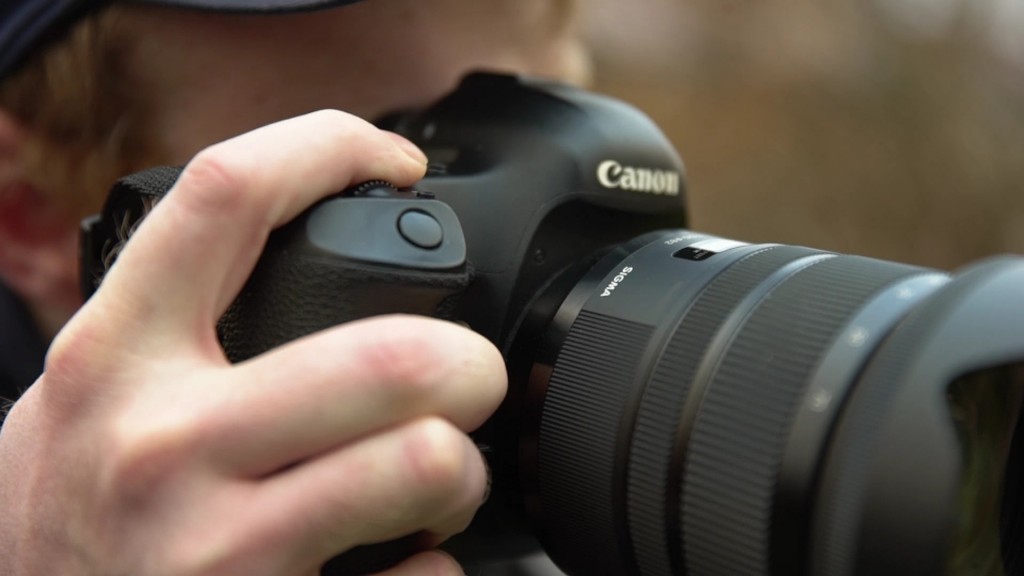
<point>359,254</point>
<point>298,288</point>
<point>367,251</point>
<point>294,292</point>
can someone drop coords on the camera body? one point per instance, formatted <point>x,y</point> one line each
<point>678,403</point>
<point>527,180</point>
<point>530,183</point>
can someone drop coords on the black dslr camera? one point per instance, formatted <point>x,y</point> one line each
<point>679,403</point>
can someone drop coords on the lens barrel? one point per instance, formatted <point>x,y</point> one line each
<point>705,399</point>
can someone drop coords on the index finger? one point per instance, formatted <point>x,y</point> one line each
<point>191,256</point>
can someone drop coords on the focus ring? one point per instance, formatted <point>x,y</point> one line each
<point>743,423</point>
<point>579,431</point>
<point>653,472</point>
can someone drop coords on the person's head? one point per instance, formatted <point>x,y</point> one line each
<point>130,85</point>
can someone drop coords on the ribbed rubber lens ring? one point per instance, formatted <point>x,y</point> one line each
<point>579,432</point>
<point>743,424</point>
<point>652,488</point>
<point>844,485</point>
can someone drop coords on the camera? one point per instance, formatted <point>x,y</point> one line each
<point>679,403</point>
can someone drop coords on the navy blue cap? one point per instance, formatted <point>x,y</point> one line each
<point>25,24</point>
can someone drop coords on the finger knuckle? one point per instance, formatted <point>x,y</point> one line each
<point>439,564</point>
<point>345,126</point>
<point>73,370</point>
<point>144,453</point>
<point>336,117</point>
<point>199,553</point>
<point>408,359</point>
<point>344,130</point>
<point>215,181</point>
<point>191,556</point>
<point>69,353</point>
<point>437,457</point>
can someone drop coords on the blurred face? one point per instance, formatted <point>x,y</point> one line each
<point>185,79</point>
<point>211,76</point>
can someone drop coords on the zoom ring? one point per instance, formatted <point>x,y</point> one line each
<point>743,423</point>
<point>654,472</point>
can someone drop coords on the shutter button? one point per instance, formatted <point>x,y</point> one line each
<point>420,229</point>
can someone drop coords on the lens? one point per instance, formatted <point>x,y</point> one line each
<point>1011,513</point>
<point>708,407</point>
<point>985,413</point>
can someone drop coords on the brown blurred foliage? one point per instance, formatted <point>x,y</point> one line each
<point>829,123</point>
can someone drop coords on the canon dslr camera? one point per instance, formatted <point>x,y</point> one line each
<point>679,404</point>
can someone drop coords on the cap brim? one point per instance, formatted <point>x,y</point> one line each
<point>26,25</point>
<point>267,6</point>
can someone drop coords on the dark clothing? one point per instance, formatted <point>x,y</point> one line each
<point>22,348</point>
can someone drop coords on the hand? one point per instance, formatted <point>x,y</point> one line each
<point>141,451</point>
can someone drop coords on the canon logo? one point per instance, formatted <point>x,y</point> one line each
<point>613,175</point>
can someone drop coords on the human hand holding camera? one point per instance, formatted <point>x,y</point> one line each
<point>141,450</point>
<point>656,372</point>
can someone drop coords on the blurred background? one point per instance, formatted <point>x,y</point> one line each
<point>890,128</point>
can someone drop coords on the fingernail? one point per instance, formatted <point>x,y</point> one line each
<point>411,150</point>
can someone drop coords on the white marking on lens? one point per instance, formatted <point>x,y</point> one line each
<point>820,400</point>
<point>858,336</point>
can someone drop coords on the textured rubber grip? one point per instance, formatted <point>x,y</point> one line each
<point>296,290</point>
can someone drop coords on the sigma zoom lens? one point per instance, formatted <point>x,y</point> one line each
<point>707,407</point>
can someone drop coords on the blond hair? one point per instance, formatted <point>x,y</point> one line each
<point>86,112</point>
<point>83,115</point>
